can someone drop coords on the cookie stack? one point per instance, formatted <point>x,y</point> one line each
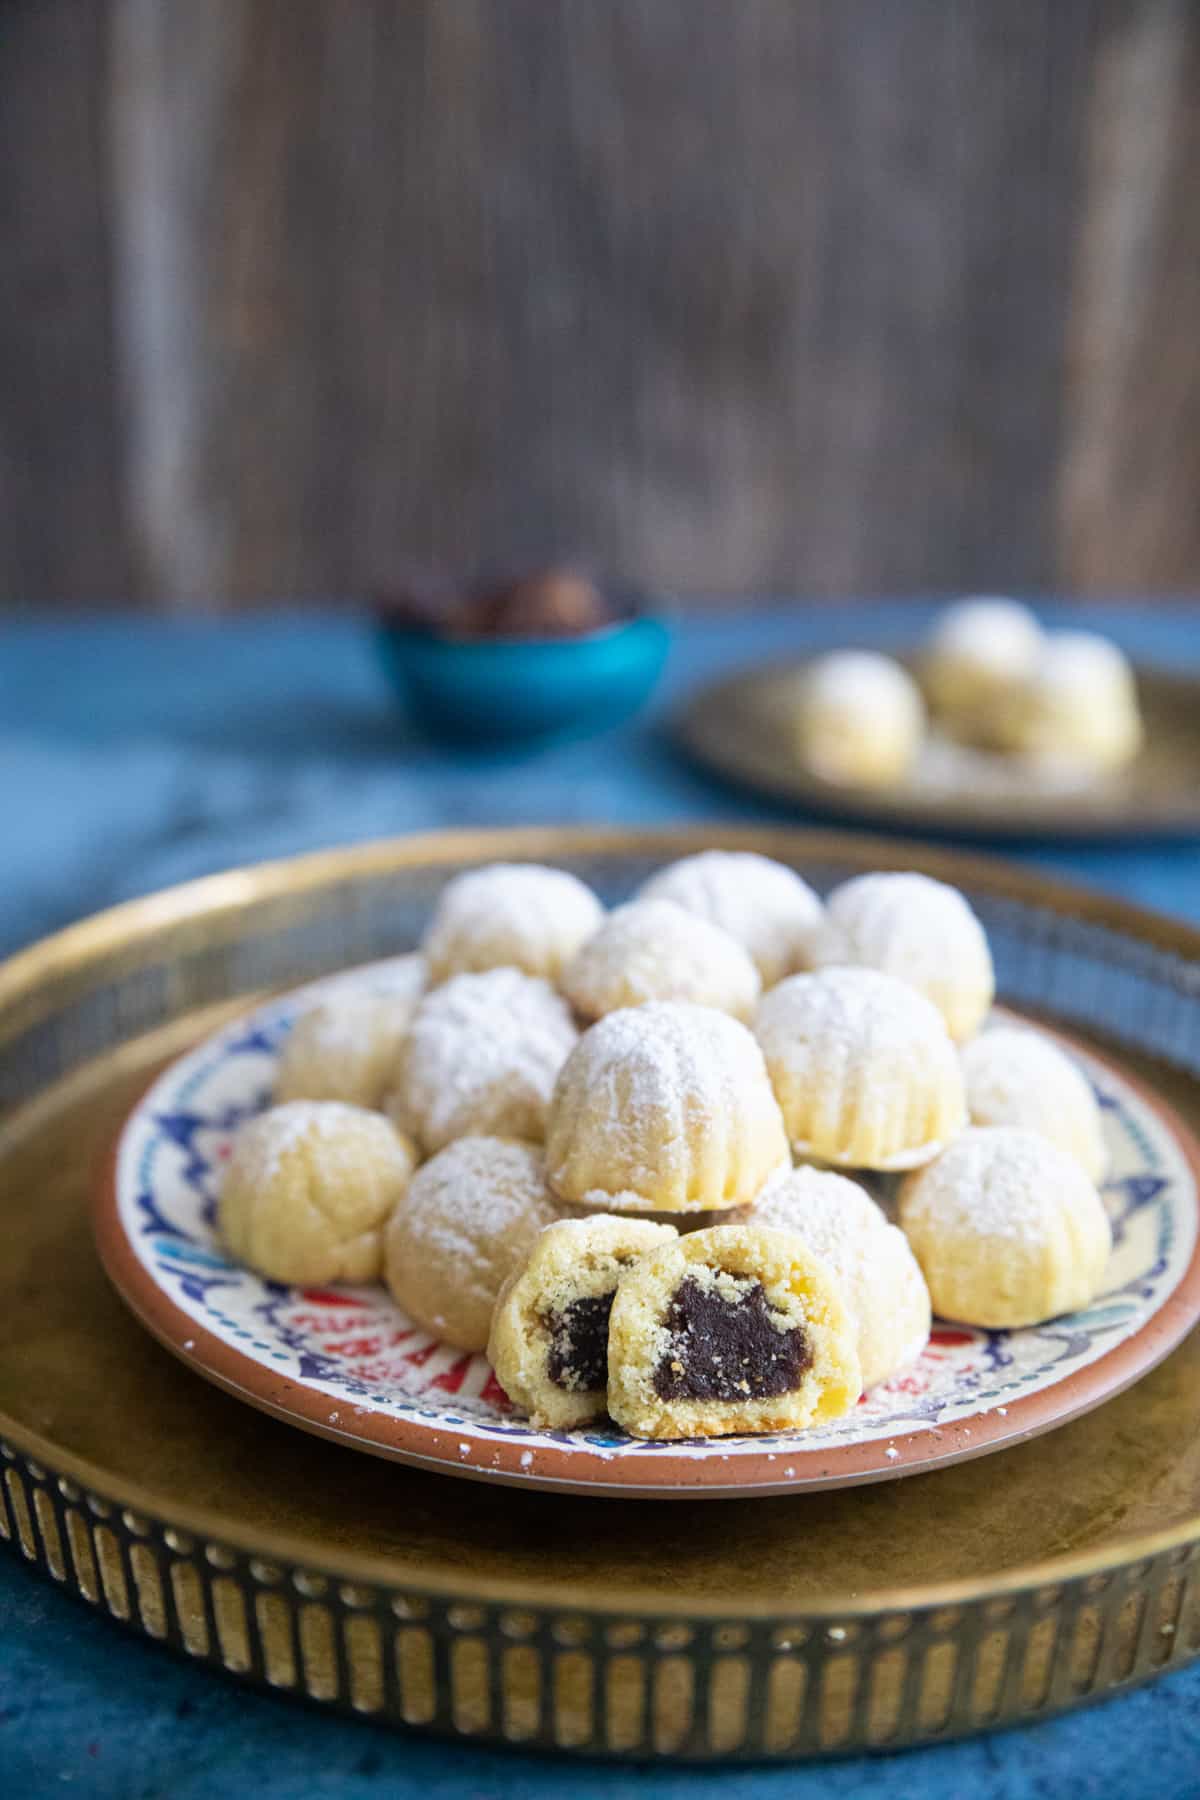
<point>990,677</point>
<point>618,1151</point>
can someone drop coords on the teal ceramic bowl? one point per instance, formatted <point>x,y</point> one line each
<point>522,690</point>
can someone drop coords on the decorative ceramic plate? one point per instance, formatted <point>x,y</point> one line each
<point>736,727</point>
<point>348,1363</point>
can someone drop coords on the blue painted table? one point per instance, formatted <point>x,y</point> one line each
<point>135,754</point>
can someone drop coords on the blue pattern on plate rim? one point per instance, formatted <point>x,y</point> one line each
<point>357,1348</point>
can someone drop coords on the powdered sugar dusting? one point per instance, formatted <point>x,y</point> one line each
<point>654,950</point>
<point>881,1283</point>
<point>263,1142</point>
<point>667,1053</point>
<point>653,1090</point>
<point>917,929</point>
<point>830,1209</point>
<point>1018,1077</point>
<point>858,679</point>
<point>482,1055</point>
<point>1001,637</point>
<point>399,977</point>
<point>522,915</point>
<point>338,1027</point>
<point>851,1013</point>
<point>766,906</point>
<point>477,1190</point>
<point>1003,1181</point>
<point>1082,666</point>
<point>347,1049</point>
<point>863,1066</point>
<point>1079,702</point>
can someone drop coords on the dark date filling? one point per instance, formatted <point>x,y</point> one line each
<point>727,1349</point>
<point>578,1359</point>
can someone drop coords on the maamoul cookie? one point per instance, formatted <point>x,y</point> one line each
<point>1079,704</point>
<point>549,1339</point>
<point>481,1057</point>
<point>654,950</point>
<point>348,1047</point>
<point>882,1284</point>
<point>510,915</point>
<point>308,1189</point>
<point>979,651</point>
<point>863,1069</point>
<point>664,1108</point>
<point>857,717</point>
<point>771,912</point>
<point>919,930</point>
<point>740,1328</point>
<point>1018,1077</point>
<point>468,1218</point>
<point>1007,1228</point>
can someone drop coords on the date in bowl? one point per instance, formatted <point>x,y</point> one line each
<point>549,655</point>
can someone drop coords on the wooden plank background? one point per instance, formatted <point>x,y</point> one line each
<point>736,296</point>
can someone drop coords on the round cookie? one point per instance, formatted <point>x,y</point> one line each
<point>348,1047</point>
<point>882,1284</point>
<point>308,1189</point>
<point>863,1069</point>
<point>1078,704</point>
<point>654,950</point>
<point>1007,1228</point>
<point>468,1218</point>
<point>664,1108</point>
<point>857,718</point>
<point>481,1057</point>
<point>979,651</point>
<point>919,930</point>
<point>510,915</point>
<point>1018,1077</point>
<point>549,1338</point>
<point>771,912</point>
<point>736,1329</point>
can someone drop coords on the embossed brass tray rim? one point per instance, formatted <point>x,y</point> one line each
<point>394,1573</point>
<point>65,957</point>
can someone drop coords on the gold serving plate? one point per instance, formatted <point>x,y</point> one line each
<point>1061,1570</point>
<point>737,727</point>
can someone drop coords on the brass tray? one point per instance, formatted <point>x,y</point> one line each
<point>1061,1570</point>
<point>733,727</point>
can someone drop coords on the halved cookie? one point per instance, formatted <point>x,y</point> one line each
<point>739,1328</point>
<point>549,1338</point>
